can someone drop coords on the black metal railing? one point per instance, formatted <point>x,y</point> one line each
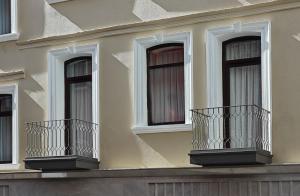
<point>230,127</point>
<point>61,138</point>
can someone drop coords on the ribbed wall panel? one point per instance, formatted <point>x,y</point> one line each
<point>230,188</point>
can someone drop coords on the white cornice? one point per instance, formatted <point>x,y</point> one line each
<point>13,75</point>
<point>250,10</point>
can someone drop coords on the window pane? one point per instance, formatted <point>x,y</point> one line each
<point>79,67</point>
<point>243,49</point>
<point>5,128</point>
<point>166,55</point>
<point>81,101</point>
<point>5,103</point>
<point>166,85</point>
<point>5,17</point>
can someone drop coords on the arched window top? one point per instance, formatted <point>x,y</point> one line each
<point>242,48</point>
<point>79,66</point>
<point>165,54</point>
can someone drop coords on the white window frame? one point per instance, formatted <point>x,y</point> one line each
<point>14,34</point>
<point>12,89</point>
<point>56,91</point>
<point>140,82</point>
<point>214,39</point>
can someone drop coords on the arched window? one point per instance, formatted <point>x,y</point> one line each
<point>78,88</point>
<point>242,71</point>
<point>165,84</point>
<point>242,88</point>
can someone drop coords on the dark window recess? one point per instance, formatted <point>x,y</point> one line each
<point>241,85</point>
<point>165,84</point>
<point>5,17</point>
<point>5,128</point>
<point>78,100</point>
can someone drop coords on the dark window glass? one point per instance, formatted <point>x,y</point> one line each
<point>5,128</point>
<point>5,17</point>
<point>166,104</point>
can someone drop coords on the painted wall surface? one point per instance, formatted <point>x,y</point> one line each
<point>120,147</point>
<point>39,19</point>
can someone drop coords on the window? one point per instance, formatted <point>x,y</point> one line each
<point>5,128</point>
<point>74,78</point>
<point>5,16</point>
<point>8,20</point>
<point>242,71</point>
<point>241,89</point>
<point>165,84</point>
<point>9,138</point>
<point>162,87</point>
<point>78,89</point>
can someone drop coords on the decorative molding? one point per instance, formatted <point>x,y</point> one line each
<point>140,74</point>
<point>14,91</point>
<point>160,24</point>
<point>13,75</point>
<point>56,59</point>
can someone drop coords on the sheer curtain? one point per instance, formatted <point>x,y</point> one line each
<point>245,89</point>
<point>80,104</point>
<point>6,129</point>
<point>166,85</point>
<point>5,17</point>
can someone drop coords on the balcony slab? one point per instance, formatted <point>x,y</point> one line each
<point>240,156</point>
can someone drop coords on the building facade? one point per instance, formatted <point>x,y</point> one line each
<point>131,86</point>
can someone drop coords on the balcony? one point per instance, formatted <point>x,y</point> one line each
<point>233,135</point>
<point>61,145</point>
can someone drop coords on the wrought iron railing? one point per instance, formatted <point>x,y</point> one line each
<point>244,126</point>
<point>61,138</point>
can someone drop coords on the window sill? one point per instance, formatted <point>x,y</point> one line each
<point>9,37</point>
<point>9,166</point>
<point>162,128</point>
<point>56,1</point>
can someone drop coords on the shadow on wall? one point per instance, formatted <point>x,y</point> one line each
<point>94,13</point>
<point>43,21</point>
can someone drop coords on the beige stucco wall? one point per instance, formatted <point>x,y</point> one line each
<point>120,147</point>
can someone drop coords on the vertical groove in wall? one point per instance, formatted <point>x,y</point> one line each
<point>4,190</point>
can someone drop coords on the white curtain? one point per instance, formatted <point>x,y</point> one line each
<point>81,108</point>
<point>6,129</point>
<point>245,91</point>
<point>166,85</point>
<point>5,17</point>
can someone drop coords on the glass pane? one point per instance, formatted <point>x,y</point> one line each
<point>5,103</point>
<point>81,67</point>
<point>166,55</point>
<point>5,17</point>
<point>167,94</point>
<point>243,49</point>
<point>81,101</point>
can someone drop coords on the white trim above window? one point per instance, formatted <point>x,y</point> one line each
<point>140,81</point>
<point>13,90</point>
<point>14,35</point>
<point>56,92</point>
